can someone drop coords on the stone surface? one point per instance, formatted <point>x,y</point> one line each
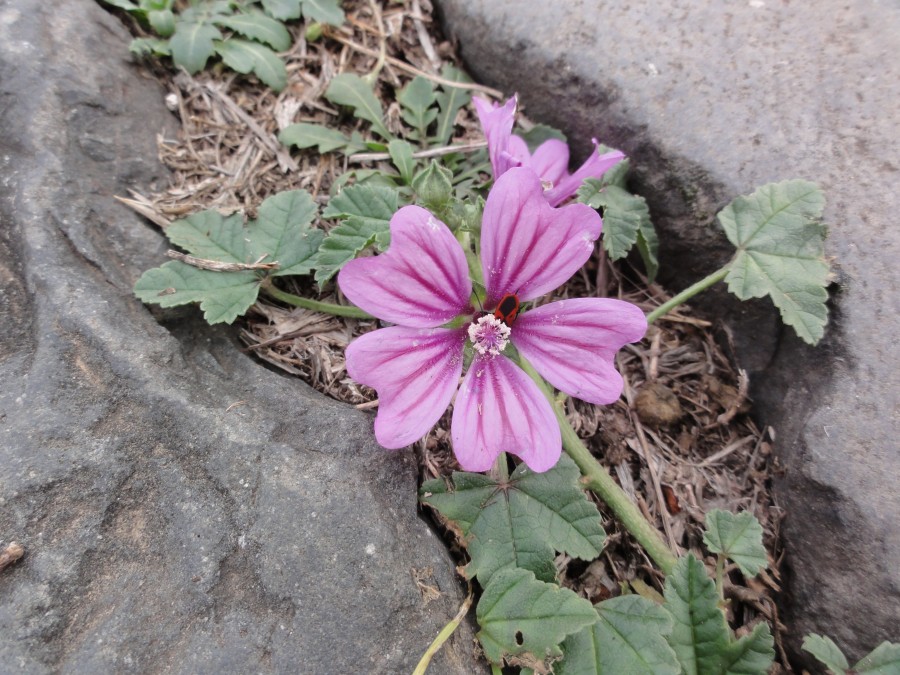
<point>711,100</point>
<point>183,509</point>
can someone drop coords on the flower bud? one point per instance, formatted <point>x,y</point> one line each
<point>433,186</point>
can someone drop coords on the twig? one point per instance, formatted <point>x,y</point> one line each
<point>10,554</point>
<point>216,266</point>
<point>743,385</point>
<point>445,634</point>
<point>397,63</point>
<point>143,207</point>
<point>424,37</point>
<point>432,152</point>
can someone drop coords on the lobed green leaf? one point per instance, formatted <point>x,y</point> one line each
<point>212,236</point>
<point>699,635</point>
<point>342,244</point>
<point>781,252</point>
<point>521,522</point>
<point>245,57</point>
<point>753,654</point>
<point>883,660</point>
<point>223,296</point>
<point>352,91</point>
<point>148,46</point>
<point>630,637</point>
<point>162,21</point>
<point>368,202</point>
<point>257,26</point>
<point>520,615</point>
<point>626,221</point>
<point>192,44</point>
<point>826,651</point>
<point>281,232</point>
<point>737,536</point>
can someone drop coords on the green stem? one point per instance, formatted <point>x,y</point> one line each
<point>688,293</point>
<point>444,635</point>
<point>315,305</point>
<point>599,480</point>
<point>720,578</point>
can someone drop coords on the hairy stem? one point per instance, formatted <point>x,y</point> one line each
<point>315,305</point>
<point>687,294</point>
<point>444,635</point>
<point>599,480</point>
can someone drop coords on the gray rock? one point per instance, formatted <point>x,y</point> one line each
<point>183,508</point>
<point>711,100</point>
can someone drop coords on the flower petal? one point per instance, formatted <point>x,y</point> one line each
<point>594,167</point>
<point>551,160</point>
<point>500,409</point>
<point>528,247</point>
<point>421,281</point>
<point>415,372</point>
<point>573,344</point>
<point>497,123</point>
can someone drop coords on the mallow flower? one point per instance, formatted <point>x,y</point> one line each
<point>421,284</point>
<point>550,159</point>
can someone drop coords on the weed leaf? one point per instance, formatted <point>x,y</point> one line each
<point>351,90</point>
<point>244,57</point>
<point>781,252</point>
<point>520,615</point>
<point>449,101</point>
<point>192,45</point>
<point>737,536</point>
<point>402,156</point>
<point>323,11</point>
<point>630,637</point>
<point>259,27</point>
<point>751,655</point>
<point>324,139</point>
<point>883,660</point>
<point>281,232</point>
<point>283,10</point>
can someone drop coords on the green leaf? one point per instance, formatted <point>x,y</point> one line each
<point>417,99</point>
<point>244,57</point>
<point>259,27</point>
<point>824,649</point>
<point>281,232</point>
<point>211,236</point>
<point>324,139</point>
<point>351,90</point>
<point>162,21</point>
<point>520,615</point>
<point>323,11</point>
<point>127,5</point>
<point>223,296</point>
<point>148,46</point>
<point>192,45</point>
<point>883,660</point>
<point>283,10</point>
<point>402,155</point>
<point>630,637</point>
<point>700,634</point>
<point>539,134</point>
<point>372,203</point>
<point>522,521</point>
<point>342,244</point>
<point>753,654</point>
<point>449,101</point>
<point>737,536</point>
<point>781,252</point>
<point>626,221</point>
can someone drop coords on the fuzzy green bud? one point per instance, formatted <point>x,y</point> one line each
<point>433,186</point>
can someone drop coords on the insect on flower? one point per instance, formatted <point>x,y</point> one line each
<point>507,309</point>
<point>528,248</point>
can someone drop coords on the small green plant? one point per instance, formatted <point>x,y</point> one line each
<point>883,660</point>
<point>245,34</point>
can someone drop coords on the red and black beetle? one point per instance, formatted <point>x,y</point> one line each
<point>507,309</point>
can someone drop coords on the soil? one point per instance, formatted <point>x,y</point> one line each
<point>680,441</point>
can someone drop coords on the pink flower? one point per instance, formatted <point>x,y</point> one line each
<point>550,160</point>
<point>528,249</point>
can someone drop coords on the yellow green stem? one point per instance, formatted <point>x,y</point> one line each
<point>315,305</point>
<point>600,482</point>
<point>444,635</point>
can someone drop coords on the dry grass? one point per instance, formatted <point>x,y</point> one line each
<point>676,467</point>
